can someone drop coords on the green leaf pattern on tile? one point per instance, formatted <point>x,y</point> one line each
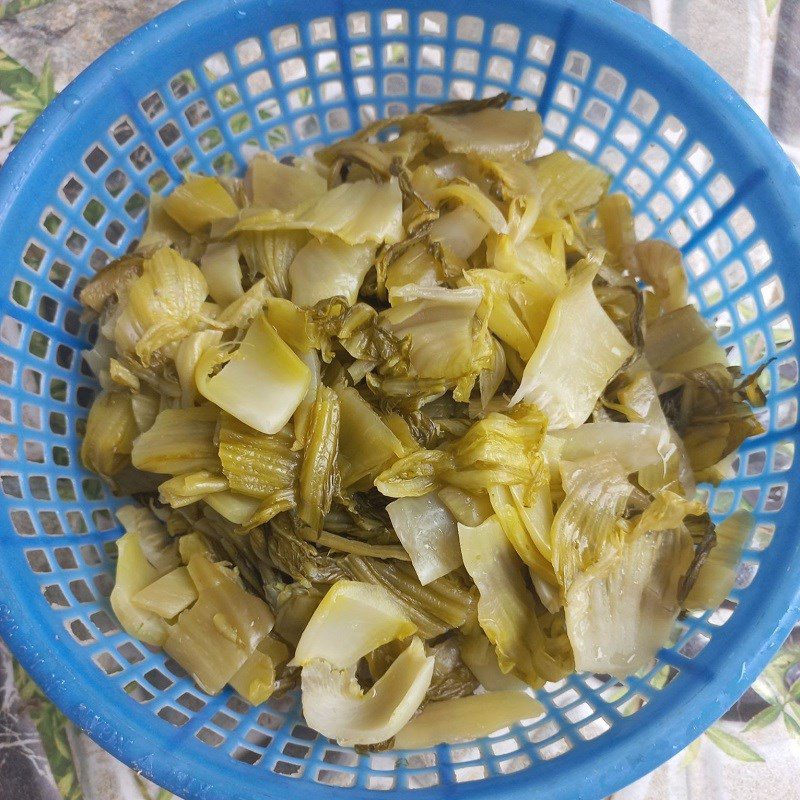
<point>24,96</point>
<point>763,718</point>
<point>732,745</point>
<point>10,9</point>
<point>52,727</point>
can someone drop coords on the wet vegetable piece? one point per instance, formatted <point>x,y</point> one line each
<point>414,425</point>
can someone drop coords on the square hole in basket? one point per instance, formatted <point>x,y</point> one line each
<point>23,526</point>
<point>71,189</point>
<point>782,332</point>
<point>783,456</point>
<point>461,90</point>
<point>51,222</point>
<point>248,51</point>
<point>506,37</point>
<point>554,749</point>
<point>12,486</point>
<point>224,721</point>
<point>643,106</point>
<point>216,67</point>
<point>81,591</point>
<point>191,702</point>
<point>323,30</point>
<point>469,28</point>
<point>699,212</point>
<point>672,131</point>
<point>158,181</point>
<point>210,737</point>
<point>209,139</point>
<point>173,716</point>
<point>228,96</point>
<point>358,25</point>
<point>248,756</point>
<point>433,23</point>
<point>431,57</point>
<point>721,615</point>
<point>475,772</point>
<point>184,158</point>
<point>286,37</point>
<point>104,584</point>
<point>759,256</point>
<point>365,85</point>
<point>556,122</point>
<point>335,777</point>
<point>532,81</point>
<point>116,181</point>
<point>33,256</point>
<point>158,680</point>
<point>183,84</point>
<point>638,181</point>
<point>541,49</point>
<point>141,157</point>
<point>95,159</point>
<point>627,134</point>
<point>577,65</point>
<point>776,496</point>
<point>307,127</point>
<point>79,632</point>
<point>746,573</point>
<point>762,536</point>
<point>135,690</point>
<point>382,782</point>
<point>699,158</point>
<point>107,663</point>
<point>197,113</point>
<point>632,704</point>
<point>258,82</point>
<point>585,139</point>
<point>396,85</point>
<point>500,69</point>
<point>610,82</point>
<point>292,69</point>
<point>594,728</point>
<point>742,223</point>
<point>337,120</point>
<point>55,597</point>
<point>169,134</point>
<point>152,105</point>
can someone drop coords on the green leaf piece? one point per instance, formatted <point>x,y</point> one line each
<point>14,7</point>
<point>763,718</point>
<point>792,725</point>
<point>732,746</point>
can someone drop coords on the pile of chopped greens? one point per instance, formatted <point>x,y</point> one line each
<point>413,417</point>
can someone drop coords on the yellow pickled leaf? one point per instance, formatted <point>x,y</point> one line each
<point>181,440</point>
<point>579,351</point>
<point>110,431</point>
<point>463,719</point>
<point>352,620</point>
<point>261,383</point>
<point>168,595</point>
<point>199,202</point>
<point>256,464</point>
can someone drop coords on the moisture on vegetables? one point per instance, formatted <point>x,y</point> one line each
<point>416,426</point>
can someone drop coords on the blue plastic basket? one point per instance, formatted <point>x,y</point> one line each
<point>198,89</point>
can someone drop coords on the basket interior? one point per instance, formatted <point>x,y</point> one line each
<point>289,79</point>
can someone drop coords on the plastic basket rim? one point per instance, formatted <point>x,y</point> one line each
<point>658,735</point>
